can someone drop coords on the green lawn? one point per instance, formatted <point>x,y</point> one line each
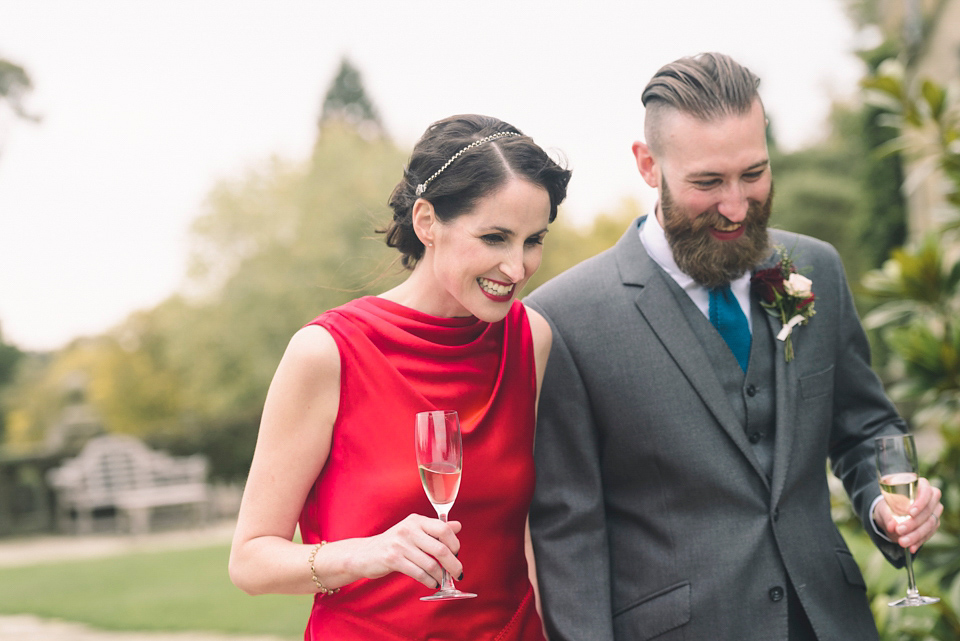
<point>172,590</point>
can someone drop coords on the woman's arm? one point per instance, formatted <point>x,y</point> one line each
<point>542,340</point>
<point>292,447</point>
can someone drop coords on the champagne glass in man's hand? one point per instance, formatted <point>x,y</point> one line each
<point>440,458</point>
<point>897,469</point>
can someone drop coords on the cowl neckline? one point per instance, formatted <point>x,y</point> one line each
<point>451,331</point>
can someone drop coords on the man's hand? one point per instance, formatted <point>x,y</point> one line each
<point>923,521</point>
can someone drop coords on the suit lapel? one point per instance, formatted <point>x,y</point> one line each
<point>786,411</point>
<point>656,303</point>
<point>786,398</point>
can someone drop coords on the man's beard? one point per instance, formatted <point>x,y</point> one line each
<point>708,261</point>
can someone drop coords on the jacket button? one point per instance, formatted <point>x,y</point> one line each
<point>776,514</point>
<point>755,437</point>
<point>751,390</point>
<point>776,594</point>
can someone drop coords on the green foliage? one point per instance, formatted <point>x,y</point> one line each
<point>567,244</point>
<point>928,119</point>
<point>819,190</point>
<point>883,225</point>
<point>173,590</point>
<point>919,290</point>
<point>273,250</point>
<point>15,84</point>
<point>44,386</point>
<point>886,583</point>
<point>347,101</point>
<point>9,357</point>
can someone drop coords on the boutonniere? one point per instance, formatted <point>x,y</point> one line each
<point>786,295</point>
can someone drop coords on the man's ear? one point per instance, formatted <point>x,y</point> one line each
<point>424,221</point>
<point>647,164</point>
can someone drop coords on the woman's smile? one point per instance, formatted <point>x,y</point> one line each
<point>496,290</point>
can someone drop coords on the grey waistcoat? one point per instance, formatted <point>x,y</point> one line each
<point>751,395</point>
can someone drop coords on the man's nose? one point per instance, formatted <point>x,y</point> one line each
<point>734,204</point>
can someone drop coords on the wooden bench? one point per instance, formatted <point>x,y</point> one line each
<point>120,474</point>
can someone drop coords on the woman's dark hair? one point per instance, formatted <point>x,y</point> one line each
<point>475,173</point>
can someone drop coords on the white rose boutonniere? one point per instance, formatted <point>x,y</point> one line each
<point>786,295</point>
<point>798,286</point>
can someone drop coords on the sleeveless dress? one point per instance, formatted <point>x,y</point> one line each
<point>395,362</point>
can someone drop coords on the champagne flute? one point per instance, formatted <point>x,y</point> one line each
<point>897,469</point>
<point>440,459</point>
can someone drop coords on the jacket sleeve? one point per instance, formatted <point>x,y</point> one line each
<point>567,519</point>
<point>862,411</point>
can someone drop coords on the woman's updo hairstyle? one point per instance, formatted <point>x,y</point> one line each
<point>453,182</point>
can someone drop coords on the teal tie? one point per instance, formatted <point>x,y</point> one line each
<point>728,318</point>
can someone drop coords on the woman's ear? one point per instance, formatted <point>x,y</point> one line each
<point>424,221</point>
<point>647,164</point>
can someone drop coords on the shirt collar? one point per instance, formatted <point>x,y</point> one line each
<point>654,240</point>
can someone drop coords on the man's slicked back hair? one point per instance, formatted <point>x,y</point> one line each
<point>707,86</point>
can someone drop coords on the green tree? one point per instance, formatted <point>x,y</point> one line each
<point>10,356</point>
<point>919,288</point>
<point>272,250</point>
<point>882,226</point>
<point>567,244</point>
<point>819,191</point>
<point>15,84</point>
<point>347,100</point>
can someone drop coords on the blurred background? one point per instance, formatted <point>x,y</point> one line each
<point>185,184</point>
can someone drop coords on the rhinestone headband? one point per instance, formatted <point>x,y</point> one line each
<point>422,187</point>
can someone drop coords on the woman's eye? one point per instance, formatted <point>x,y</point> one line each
<point>534,240</point>
<point>492,239</point>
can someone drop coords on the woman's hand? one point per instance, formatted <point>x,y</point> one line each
<point>417,546</point>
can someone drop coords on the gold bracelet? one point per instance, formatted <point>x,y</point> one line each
<point>313,573</point>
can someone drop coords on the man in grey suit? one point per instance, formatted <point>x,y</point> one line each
<point>681,486</point>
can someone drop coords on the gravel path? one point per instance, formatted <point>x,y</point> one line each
<point>30,628</point>
<point>52,548</point>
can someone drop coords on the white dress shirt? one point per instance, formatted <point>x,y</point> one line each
<point>655,242</point>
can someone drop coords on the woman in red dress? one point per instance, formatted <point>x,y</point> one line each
<point>335,451</point>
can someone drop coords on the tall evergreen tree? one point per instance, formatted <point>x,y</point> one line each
<point>15,84</point>
<point>9,357</point>
<point>347,100</point>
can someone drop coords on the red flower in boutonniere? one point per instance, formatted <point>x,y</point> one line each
<point>786,295</point>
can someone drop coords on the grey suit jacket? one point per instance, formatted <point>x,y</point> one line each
<point>651,518</point>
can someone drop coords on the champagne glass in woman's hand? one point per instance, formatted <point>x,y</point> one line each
<point>440,457</point>
<point>897,469</point>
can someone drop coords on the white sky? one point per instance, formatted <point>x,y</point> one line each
<point>147,103</point>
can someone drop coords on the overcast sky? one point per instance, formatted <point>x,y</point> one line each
<point>146,104</point>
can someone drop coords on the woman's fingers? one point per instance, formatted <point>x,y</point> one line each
<point>440,542</point>
<point>417,546</point>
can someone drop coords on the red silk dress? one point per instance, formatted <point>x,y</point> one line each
<point>395,362</point>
